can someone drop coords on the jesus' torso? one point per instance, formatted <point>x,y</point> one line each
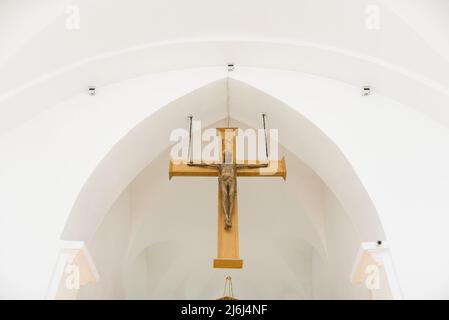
<point>227,172</point>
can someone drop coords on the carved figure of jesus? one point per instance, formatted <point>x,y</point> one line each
<point>227,178</point>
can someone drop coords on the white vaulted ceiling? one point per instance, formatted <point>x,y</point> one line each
<point>41,62</point>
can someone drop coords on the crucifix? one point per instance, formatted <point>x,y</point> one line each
<point>227,171</point>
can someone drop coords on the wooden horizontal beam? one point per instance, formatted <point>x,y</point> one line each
<point>182,169</point>
<point>276,168</point>
<point>228,263</point>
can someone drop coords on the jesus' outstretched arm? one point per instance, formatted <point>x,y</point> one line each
<point>204,165</point>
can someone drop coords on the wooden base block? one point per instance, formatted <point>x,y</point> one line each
<point>228,263</point>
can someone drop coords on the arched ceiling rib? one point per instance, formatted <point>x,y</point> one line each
<point>308,143</point>
<point>119,40</point>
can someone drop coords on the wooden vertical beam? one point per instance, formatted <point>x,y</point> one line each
<point>228,252</point>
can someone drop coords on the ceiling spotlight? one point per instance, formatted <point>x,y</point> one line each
<point>92,90</point>
<point>366,91</point>
<point>231,67</point>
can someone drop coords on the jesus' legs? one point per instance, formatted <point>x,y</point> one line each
<point>231,193</point>
<point>224,202</point>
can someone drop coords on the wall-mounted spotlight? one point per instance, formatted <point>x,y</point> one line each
<point>366,90</point>
<point>92,90</point>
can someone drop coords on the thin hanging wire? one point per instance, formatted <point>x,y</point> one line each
<point>265,134</point>
<point>228,284</point>
<point>228,111</point>
<point>190,139</point>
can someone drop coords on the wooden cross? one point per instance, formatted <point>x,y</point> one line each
<point>228,239</point>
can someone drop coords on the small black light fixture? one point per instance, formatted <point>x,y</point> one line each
<point>231,67</point>
<point>92,90</point>
<point>366,90</point>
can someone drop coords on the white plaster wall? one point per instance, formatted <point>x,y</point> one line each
<point>136,278</point>
<point>108,249</point>
<point>331,275</point>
